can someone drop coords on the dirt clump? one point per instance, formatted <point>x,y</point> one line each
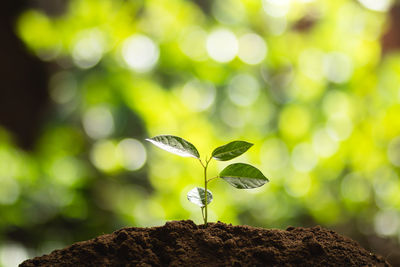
<point>183,243</point>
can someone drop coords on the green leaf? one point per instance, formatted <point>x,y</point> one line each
<point>175,145</point>
<point>243,176</point>
<point>231,150</point>
<point>197,196</point>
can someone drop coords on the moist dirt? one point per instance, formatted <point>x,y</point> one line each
<point>183,243</point>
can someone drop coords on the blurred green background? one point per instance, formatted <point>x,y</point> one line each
<point>315,85</point>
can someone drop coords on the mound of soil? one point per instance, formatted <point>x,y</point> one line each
<point>183,243</point>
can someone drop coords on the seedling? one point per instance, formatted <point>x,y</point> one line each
<point>239,175</point>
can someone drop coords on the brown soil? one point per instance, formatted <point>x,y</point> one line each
<point>183,243</point>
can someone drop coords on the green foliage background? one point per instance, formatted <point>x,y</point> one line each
<point>311,89</point>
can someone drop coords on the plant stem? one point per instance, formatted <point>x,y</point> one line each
<point>215,177</point>
<point>205,165</point>
<point>205,191</point>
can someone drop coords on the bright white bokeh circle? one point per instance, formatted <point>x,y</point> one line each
<point>222,45</point>
<point>140,53</point>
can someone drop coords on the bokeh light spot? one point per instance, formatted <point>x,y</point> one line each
<point>63,87</point>
<point>276,8</point>
<point>140,53</point>
<point>9,190</point>
<point>393,151</point>
<point>104,155</point>
<point>198,95</point>
<point>232,115</point>
<point>228,11</point>
<point>243,89</point>
<point>276,25</point>
<point>336,103</point>
<point>132,153</point>
<point>381,5</point>
<point>222,45</point>
<point>310,64</point>
<point>387,222</point>
<point>304,158</point>
<point>193,43</point>
<point>355,187</point>
<point>323,144</point>
<point>88,48</point>
<point>337,67</point>
<point>339,128</point>
<point>12,254</point>
<point>252,48</point>
<point>65,170</point>
<point>98,122</point>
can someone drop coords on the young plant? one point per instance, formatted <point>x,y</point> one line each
<point>239,175</point>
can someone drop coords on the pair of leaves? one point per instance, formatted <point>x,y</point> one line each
<point>183,148</point>
<point>239,175</point>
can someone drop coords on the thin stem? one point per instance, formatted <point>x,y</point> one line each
<point>202,164</point>
<point>202,212</point>
<point>205,189</point>
<point>212,178</point>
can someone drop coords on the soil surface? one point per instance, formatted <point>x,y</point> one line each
<point>183,243</point>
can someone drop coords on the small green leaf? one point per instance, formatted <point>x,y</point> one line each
<point>197,196</point>
<point>175,145</point>
<point>243,176</point>
<point>230,150</point>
